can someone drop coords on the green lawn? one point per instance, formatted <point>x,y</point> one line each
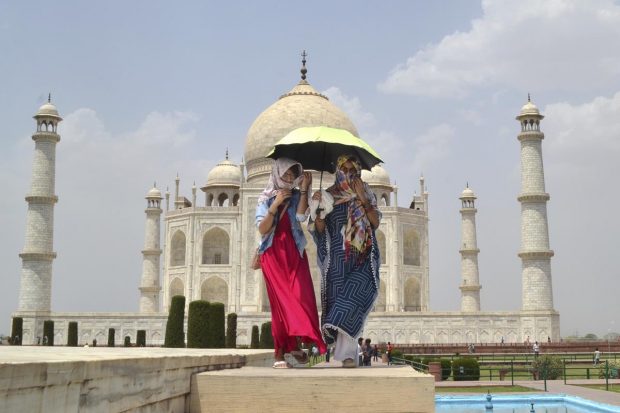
<point>484,389</point>
<point>615,388</point>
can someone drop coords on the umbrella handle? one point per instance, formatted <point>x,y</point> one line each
<point>319,209</point>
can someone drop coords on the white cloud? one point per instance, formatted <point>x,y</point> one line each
<point>432,146</point>
<point>530,44</point>
<point>352,107</point>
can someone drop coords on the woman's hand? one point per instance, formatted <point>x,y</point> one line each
<point>283,195</point>
<point>306,181</point>
<point>317,196</point>
<point>358,187</point>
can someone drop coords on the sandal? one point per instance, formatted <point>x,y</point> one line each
<point>282,365</point>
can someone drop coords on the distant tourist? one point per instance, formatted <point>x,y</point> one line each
<point>284,262</point>
<point>360,349</point>
<point>390,347</point>
<point>536,349</point>
<point>597,357</point>
<point>502,342</point>
<point>367,352</point>
<point>375,353</point>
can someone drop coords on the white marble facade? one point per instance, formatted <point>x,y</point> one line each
<point>208,241</point>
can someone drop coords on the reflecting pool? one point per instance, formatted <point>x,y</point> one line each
<point>538,403</point>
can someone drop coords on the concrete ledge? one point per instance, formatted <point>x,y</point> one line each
<point>253,389</point>
<point>98,379</point>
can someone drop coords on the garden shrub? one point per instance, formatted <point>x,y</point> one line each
<point>198,324</point>
<point>141,338</point>
<point>216,337</point>
<point>446,366</point>
<point>613,366</point>
<point>175,338</point>
<point>231,330</point>
<point>549,367</point>
<point>17,331</point>
<point>111,335</point>
<point>266,339</point>
<point>465,368</point>
<point>72,334</point>
<point>48,331</point>
<point>255,343</point>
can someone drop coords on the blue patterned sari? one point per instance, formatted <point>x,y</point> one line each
<point>349,288</point>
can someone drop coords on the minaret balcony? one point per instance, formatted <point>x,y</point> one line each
<point>470,287</point>
<point>37,256</point>
<point>469,250</point>
<point>534,197</point>
<point>152,252</point>
<point>534,255</point>
<point>46,136</point>
<point>531,135</point>
<point>41,199</point>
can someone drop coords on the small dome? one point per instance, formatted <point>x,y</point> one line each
<point>225,173</point>
<point>376,176</point>
<point>154,193</point>
<point>48,109</point>
<point>468,193</point>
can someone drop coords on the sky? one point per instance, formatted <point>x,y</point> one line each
<point>149,89</point>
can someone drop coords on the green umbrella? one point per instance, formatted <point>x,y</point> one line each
<point>319,147</point>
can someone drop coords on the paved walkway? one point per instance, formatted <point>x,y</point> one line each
<point>573,387</point>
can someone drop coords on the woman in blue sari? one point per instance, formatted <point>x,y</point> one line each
<point>348,257</point>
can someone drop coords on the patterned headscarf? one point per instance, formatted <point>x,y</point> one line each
<point>357,233</point>
<point>280,166</point>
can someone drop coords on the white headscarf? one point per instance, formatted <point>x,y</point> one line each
<point>280,166</point>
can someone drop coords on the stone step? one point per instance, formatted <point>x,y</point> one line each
<point>359,390</point>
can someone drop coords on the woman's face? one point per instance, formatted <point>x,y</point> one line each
<point>348,168</point>
<point>289,176</point>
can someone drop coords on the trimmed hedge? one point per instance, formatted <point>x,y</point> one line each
<point>175,337</point>
<point>48,331</point>
<point>72,334</point>
<point>217,332</point>
<point>111,336</point>
<point>231,330</point>
<point>548,367</point>
<point>465,369</point>
<point>17,331</point>
<point>141,338</point>
<point>255,343</point>
<point>446,366</point>
<point>127,342</point>
<point>266,339</point>
<point>198,324</point>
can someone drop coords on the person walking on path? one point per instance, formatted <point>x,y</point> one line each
<point>284,262</point>
<point>348,256</point>
<point>597,357</point>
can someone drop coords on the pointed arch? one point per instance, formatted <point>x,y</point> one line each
<point>412,295</point>
<point>411,246</point>
<point>214,290</point>
<point>177,249</point>
<point>176,288</point>
<point>380,303</point>
<point>216,247</point>
<point>210,199</point>
<point>385,199</point>
<point>222,199</point>
<point>235,200</point>
<point>382,245</point>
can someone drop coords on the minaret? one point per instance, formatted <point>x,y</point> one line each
<point>149,285</point>
<point>470,282</point>
<point>35,291</point>
<point>535,254</point>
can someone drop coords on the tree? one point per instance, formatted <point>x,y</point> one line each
<point>231,330</point>
<point>266,339</point>
<point>72,334</point>
<point>255,339</point>
<point>175,337</point>
<point>17,331</point>
<point>198,324</point>
<point>111,333</point>
<point>141,338</point>
<point>217,332</point>
<point>48,333</point>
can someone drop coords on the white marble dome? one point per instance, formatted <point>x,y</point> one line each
<point>376,176</point>
<point>302,106</point>
<point>154,193</point>
<point>529,109</point>
<point>468,193</point>
<point>225,173</point>
<point>48,109</point>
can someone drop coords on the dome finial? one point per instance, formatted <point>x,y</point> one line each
<point>528,97</point>
<point>49,97</point>
<point>303,65</point>
<point>226,153</point>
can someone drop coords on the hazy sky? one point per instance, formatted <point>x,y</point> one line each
<point>148,89</point>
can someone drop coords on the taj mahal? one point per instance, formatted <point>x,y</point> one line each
<point>200,244</point>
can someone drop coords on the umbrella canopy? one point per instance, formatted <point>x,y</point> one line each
<point>319,147</point>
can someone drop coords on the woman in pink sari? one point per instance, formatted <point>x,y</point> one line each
<point>280,210</point>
